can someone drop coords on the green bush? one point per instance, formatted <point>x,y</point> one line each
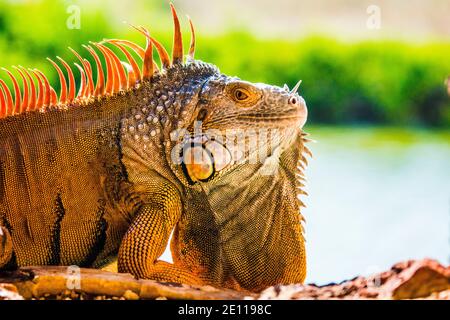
<point>381,82</point>
<point>368,82</point>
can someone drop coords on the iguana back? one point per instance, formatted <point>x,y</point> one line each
<point>61,180</point>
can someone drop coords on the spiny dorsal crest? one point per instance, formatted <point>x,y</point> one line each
<point>120,76</point>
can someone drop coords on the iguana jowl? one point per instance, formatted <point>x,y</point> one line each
<point>89,176</point>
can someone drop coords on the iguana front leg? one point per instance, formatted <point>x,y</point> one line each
<point>147,238</point>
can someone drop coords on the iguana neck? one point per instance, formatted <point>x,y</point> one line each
<point>247,184</point>
<point>250,214</point>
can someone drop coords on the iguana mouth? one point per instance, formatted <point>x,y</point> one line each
<point>294,116</point>
<point>280,122</point>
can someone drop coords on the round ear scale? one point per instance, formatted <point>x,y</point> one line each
<point>198,164</point>
<point>221,155</point>
<point>202,158</point>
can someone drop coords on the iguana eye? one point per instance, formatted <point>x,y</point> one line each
<point>243,93</point>
<point>240,95</point>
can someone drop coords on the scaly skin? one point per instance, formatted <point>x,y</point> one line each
<point>97,177</point>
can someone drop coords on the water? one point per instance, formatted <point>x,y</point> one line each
<point>376,197</point>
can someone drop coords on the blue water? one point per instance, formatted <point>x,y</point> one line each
<point>377,196</point>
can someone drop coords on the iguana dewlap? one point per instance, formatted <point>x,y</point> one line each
<point>141,153</point>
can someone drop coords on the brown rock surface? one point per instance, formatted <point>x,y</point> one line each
<point>421,279</point>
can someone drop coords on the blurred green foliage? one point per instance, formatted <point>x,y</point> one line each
<point>343,83</point>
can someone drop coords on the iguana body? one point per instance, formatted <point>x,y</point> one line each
<point>89,177</point>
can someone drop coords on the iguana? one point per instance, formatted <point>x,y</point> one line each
<point>139,156</point>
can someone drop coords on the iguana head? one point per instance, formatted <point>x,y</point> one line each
<point>230,103</point>
<point>237,122</point>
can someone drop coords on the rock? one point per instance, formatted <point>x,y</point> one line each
<point>419,279</point>
<point>422,279</point>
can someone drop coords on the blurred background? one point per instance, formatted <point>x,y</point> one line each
<point>374,80</point>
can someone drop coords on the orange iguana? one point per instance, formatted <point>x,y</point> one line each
<point>139,155</point>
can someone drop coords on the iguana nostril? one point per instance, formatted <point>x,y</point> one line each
<point>293,100</point>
